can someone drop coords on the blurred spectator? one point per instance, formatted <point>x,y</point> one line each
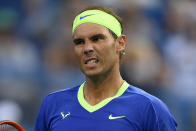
<point>19,66</point>
<point>10,110</point>
<point>142,64</point>
<point>61,69</point>
<point>179,52</point>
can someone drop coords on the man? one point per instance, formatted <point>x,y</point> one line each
<point>104,102</point>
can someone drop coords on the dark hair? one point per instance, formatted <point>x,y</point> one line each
<point>109,11</point>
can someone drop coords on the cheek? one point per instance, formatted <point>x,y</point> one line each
<point>78,52</point>
<point>109,54</point>
<point>110,50</point>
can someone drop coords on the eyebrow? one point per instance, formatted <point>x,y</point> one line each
<point>97,35</point>
<point>91,37</point>
<point>77,40</point>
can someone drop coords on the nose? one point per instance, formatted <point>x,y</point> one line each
<point>88,48</point>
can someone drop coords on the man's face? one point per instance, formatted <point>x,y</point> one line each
<point>95,49</point>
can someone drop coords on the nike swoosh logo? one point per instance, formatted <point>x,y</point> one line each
<point>65,115</point>
<point>82,17</point>
<point>116,117</point>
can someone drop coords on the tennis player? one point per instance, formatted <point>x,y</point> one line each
<point>104,102</point>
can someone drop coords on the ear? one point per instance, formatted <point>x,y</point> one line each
<point>121,42</point>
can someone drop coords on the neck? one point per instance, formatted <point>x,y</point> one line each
<point>102,87</point>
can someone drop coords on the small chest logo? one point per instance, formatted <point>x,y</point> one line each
<point>65,115</point>
<point>115,117</point>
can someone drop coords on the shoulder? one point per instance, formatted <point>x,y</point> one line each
<point>154,111</point>
<point>51,105</point>
<point>59,99</point>
<point>60,95</point>
<point>68,91</point>
<point>143,97</point>
<point>147,100</point>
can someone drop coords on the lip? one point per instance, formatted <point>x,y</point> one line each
<point>92,58</point>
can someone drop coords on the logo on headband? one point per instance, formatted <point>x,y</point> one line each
<point>82,17</point>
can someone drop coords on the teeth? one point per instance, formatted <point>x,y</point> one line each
<point>91,61</point>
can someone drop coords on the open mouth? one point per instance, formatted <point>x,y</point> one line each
<point>91,61</point>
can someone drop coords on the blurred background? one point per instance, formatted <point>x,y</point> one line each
<point>37,58</point>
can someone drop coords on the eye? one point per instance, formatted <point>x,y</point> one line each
<point>96,38</point>
<point>78,41</point>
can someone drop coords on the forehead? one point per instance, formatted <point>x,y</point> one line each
<point>88,29</point>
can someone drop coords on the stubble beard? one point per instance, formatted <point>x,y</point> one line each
<point>102,75</point>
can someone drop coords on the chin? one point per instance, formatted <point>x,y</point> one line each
<point>91,73</point>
